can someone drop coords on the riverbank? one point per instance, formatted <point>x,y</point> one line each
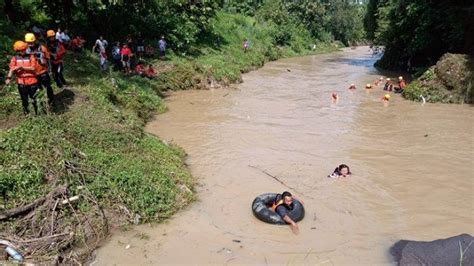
<point>93,146</point>
<point>451,80</point>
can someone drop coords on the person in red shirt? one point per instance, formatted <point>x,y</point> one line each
<point>77,44</point>
<point>57,52</point>
<point>24,66</point>
<point>401,85</point>
<point>139,69</point>
<point>150,72</point>
<point>125,54</point>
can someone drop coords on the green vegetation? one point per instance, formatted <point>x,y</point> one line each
<point>448,81</point>
<point>417,33</point>
<point>93,145</point>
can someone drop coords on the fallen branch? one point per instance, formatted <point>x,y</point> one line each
<point>46,237</point>
<point>279,181</point>
<point>28,207</point>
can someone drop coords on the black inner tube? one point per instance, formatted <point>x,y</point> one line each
<point>261,209</point>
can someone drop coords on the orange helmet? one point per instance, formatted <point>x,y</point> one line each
<point>50,33</point>
<point>20,46</point>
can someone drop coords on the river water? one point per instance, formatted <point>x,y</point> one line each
<point>412,169</point>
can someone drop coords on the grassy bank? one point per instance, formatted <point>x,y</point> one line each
<point>93,145</point>
<point>451,80</point>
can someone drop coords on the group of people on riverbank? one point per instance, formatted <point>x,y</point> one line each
<point>128,55</point>
<point>34,61</point>
<point>40,55</point>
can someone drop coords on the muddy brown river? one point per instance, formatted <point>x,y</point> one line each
<point>412,169</point>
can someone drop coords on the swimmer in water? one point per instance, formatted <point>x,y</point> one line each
<point>377,82</point>
<point>386,99</point>
<point>341,171</point>
<point>352,87</point>
<point>334,97</point>
<point>368,86</point>
<point>388,85</point>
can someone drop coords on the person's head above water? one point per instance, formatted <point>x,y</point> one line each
<point>287,198</point>
<point>343,170</point>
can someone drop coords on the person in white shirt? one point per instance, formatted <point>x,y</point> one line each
<point>58,34</point>
<point>100,43</point>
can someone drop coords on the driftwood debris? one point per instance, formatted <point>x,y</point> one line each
<point>280,181</point>
<point>28,207</point>
<point>54,229</point>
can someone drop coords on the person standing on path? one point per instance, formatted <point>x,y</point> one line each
<point>140,46</point>
<point>24,67</point>
<point>100,44</point>
<point>246,45</point>
<point>162,46</point>
<point>116,57</point>
<point>125,55</point>
<point>57,52</point>
<point>41,54</point>
<point>103,60</point>
<point>58,34</point>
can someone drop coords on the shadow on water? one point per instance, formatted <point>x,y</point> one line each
<point>364,62</point>
<point>470,83</point>
<point>368,63</point>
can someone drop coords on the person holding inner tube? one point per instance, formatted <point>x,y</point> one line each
<point>282,205</point>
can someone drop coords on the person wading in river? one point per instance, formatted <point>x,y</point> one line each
<point>282,205</point>
<point>401,85</point>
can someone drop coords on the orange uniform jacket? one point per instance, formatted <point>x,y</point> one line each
<point>24,77</point>
<point>42,57</point>
<point>43,66</point>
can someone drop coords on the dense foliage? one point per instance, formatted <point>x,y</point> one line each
<point>186,23</point>
<point>417,33</point>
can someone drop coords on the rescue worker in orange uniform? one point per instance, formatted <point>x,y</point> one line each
<point>41,54</point>
<point>24,67</point>
<point>57,52</point>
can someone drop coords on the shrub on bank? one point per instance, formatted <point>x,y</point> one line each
<point>451,80</point>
